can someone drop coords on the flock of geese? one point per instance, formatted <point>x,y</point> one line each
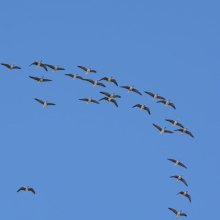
<point>111,98</point>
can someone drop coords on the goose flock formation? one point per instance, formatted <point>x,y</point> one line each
<point>111,98</point>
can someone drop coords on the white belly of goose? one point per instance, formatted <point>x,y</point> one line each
<point>45,104</point>
<point>87,72</point>
<point>109,80</point>
<point>94,85</point>
<point>155,96</point>
<point>74,77</point>
<point>142,107</point>
<point>162,131</point>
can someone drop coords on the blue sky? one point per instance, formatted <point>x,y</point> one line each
<point>99,161</point>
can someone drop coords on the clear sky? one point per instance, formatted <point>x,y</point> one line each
<point>98,161</point>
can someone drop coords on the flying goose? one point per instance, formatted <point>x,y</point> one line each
<point>109,100</point>
<point>87,70</point>
<point>177,213</point>
<point>44,103</point>
<point>95,83</point>
<point>39,64</point>
<point>131,89</point>
<point>89,100</point>
<point>155,96</point>
<point>185,194</point>
<point>40,79</point>
<point>179,178</point>
<point>175,122</point>
<point>177,162</point>
<point>167,103</point>
<point>185,131</point>
<point>11,67</point>
<point>109,80</point>
<point>142,107</point>
<point>111,95</point>
<point>74,76</point>
<point>27,189</point>
<point>162,130</point>
<point>54,68</point>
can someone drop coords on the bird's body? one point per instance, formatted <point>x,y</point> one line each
<point>87,70</point>
<point>183,131</point>
<point>155,96</point>
<point>27,189</point>
<point>54,68</point>
<point>11,67</point>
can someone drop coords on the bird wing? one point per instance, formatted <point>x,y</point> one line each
<point>100,84</point>
<point>59,68</point>
<point>84,99</point>
<point>172,160</point>
<point>138,105</point>
<point>180,125</point>
<point>104,98</point>
<point>89,80</point>
<point>44,80</point>
<point>146,108</point>
<point>35,78</point>
<point>149,93</point>
<point>160,97</point>
<point>158,127</point>
<point>114,81</point>
<point>93,71</point>
<point>163,101</point>
<point>171,104</point>
<point>172,121</point>
<point>16,67</point>
<point>31,189</point>
<point>167,131</point>
<point>181,192</point>
<point>189,133</point>
<point>51,66</point>
<point>125,87</point>
<point>82,67</point>
<point>135,90</point>
<point>106,93</point>
<point>39,101</point>
<point>104,78</point>
<point>116,96</point>
<point>183,214</point>
<point>179,129</point>
<point>44,66</point>
<point>69,74</point>
<point>5,64</point>
<point>79,77</point>
<point>50,103</point>
<point>175,176</point>
<point>22,188</point>
<point>34,63</point>
<point>174,210</point>
<point>189,197</point>
<point>94,101</point>
<point>182,165</point>
<point>114,101</point>
<point>184,181</point>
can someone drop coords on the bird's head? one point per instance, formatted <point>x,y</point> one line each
<point>58,65</point>
<point>187,190</point>
<point>179,159</point>
<point>28,186</point>
<point>90,68</point>
<point>169,99</point>
<point>91,96</point>
<point>111,76</point>
<point>177,119</point>
<point>42,77</point>
<point>41,60</point>
<point>46,101</point>
<point>76,74</point>
<point>181,174</point>
<point>186,127</point>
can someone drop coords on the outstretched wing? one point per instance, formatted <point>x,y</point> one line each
<point>16,67</point>
<point>106,93</point>
<point>51,104</point>
<point>189,197</point>
<point>174,210</point>
<point>175,176</point>
<point>172,121</point>
<point>34,63</point>
<point>149,93</point>
<point>44,66</point>
<point>116,96</point>
<point>39,101</point>
<point>104,98</point>
<point>94,101</point>
<point>171,104</point>
<point>172,160</point>
<point>89,80</point>
<point>184,181</point>
<point>84,99</point>
<point>114,101</point>
<point>160,97</point>
<point>79,77</point>
<point>59,68</point>
<point>93,71</point>
<point>167,131</point>
<point>114,81</point>
<point>180,125</point>
<point>138,105</point>
<point>182,165</point>
<point>158,127</point>
<point>5,64</point>
<point>125,87</point>
<point>100,84</point>
<point>45,80</point>
<point>135,90</point>
<point>183,214</point>
<point>51,66</point>
<point>35,78</point>
<point>31,189</point>
<point>69,74</point>
<point>82,67</point>
<point>22,188</point>
<point>181,192</point>
<point>104,78</point>
<point>163,101</point>
<point>189,133</point>
<point>179,129</point>
<point>146,108</point>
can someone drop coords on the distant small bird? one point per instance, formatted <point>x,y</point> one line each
<point>185,131</point>
<point>174,122</point>
<point>54,68</point>
<point>177,213</point>
<point>11,67</point>
<point>167,103</point>
<point>74,76</point>
<point>177,162</point>
<point>44,103</point>
<point>89,100</point>
<point>179,178</point>
<point>131,88</point>
<point>40,79</point>
<point>109,80</point>
<point>185,194</point>
<point>109,100</point>
<point>142,107</point>
<point>162,130</point>
<point>27,189</point>
<point>155,96</point>
<point>111,95</point>
<point>87,70</point>
<point>39,64</point>
<point>95,83</point>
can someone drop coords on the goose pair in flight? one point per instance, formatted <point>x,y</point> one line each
<point>38,64</point>
<point>11,67</point>
<point>27,189</point>
<point>110,97</point>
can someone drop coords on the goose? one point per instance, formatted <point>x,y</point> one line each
<point>109,80</point>
<point>131,89</point>
<point>89,100</point>
<point>74,76</point>
<point>39,64</point>
<point>11,67</point>
<point>142,107</point>
<point>44,103</point>
<point>54,68</point>
<point>87,70</point>
<point>177,162</point>
<point>95,83</point>
<point>111,95</point>
<point>185,194</point>
<point>162,130</point>
<point>155,96</point>
<point>179,178</point>
<point>167,103</point>
<point>177,213</point>
<point>109,100</point>
<point>40,79</point>
<point>174,122</point>
<point>27,189</point>
<point>185,131</point>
